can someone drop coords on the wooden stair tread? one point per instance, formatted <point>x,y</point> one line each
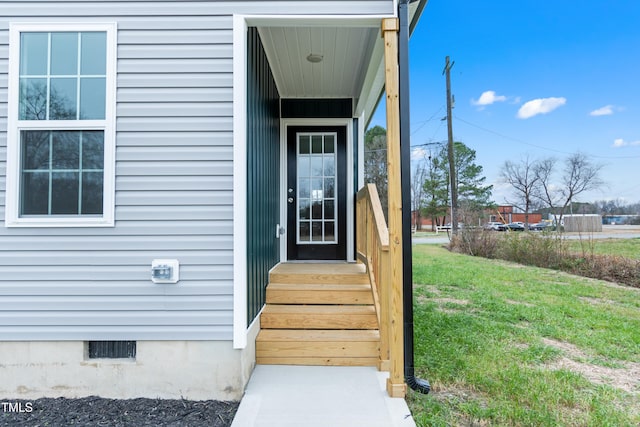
<point>330,310</point>
<point>318,361</point>
<point>318,335</point>
<point>319,268</point>
<point>321,286</point>
<point>319,273</point>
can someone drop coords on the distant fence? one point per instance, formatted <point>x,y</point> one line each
<point>582,223</point>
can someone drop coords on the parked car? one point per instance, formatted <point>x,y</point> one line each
<point>515,226</point>
<point>495,225</point>
<point>541,226</point>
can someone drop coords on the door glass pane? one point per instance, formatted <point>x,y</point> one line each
<point>329,166</point>
<point>316,189</point>
<point>329,209</point>
<point>304,144</point>
<point>316,231</point>
<point>316,180</point>
<point>316,144</point>
<point>304,188</point>
<point>304,166</point>
<point>305,209</point>
<point>304,231</point>
<point>316,210</point>
<point>329,187</point>
<point>329,143</point>
<point>316,166</point>
<point>329,231</point>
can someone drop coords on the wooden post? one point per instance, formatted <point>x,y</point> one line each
<point>396,386</point>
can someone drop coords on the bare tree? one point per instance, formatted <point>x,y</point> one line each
<point>375,162</point>
<point>525,184</point>
<point>578,175</point>
<point>418,193</point>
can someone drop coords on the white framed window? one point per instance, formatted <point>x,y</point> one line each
<point>61,125</point>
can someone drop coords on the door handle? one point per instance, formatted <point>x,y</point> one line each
<point>290,200</point>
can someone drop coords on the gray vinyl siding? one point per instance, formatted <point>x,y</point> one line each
<point>174,181</point>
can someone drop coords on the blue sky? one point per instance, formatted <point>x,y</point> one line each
<point>543,78</point>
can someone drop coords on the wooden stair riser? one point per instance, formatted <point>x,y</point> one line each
<point>327,349</point>
<point>318,317</point>
<point>283,293</point>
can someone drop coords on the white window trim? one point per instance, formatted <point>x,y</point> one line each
<point>14,126</point>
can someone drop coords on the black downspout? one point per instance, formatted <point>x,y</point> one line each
<point>416,384</point>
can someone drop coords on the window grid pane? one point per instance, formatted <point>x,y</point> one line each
<point>60,78</point>
<point>54,171</point>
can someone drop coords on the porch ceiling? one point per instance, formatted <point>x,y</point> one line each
<point>346,59</point>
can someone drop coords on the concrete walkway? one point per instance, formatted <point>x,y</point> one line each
<point>320,396</point>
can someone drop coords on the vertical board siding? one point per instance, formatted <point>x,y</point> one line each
<point>263,166</point>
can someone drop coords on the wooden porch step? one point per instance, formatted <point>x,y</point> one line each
<point>275,316</point>
<point>319,314</point>
<point>320,273</point>
<point>318,347</point>
<point>288,293</point>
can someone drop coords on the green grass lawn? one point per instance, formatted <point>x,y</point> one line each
<point>629,248</point>
<point>504,344</point>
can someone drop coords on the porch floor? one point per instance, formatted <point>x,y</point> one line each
<point>320,396</point>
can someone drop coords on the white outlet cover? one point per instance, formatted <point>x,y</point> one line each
<point>173,263</point>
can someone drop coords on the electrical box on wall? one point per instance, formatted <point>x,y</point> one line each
<point>165,271</point>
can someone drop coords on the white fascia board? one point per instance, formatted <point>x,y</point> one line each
<point>373,83</point>
<point>355,21</point>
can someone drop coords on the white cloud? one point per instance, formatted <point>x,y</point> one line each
<point>607,110</point>
<point>619,142</point>
<point>540,106</point>
<point>487,98</point>
<point>418,153</point>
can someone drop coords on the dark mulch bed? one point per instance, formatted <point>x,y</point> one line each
<point>96,411</point>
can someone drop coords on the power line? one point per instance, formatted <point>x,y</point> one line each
<point>538,146</point>
<point>424,122</point>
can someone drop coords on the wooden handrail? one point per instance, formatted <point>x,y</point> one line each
<point>372,247</point>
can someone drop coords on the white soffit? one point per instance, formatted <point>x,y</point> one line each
<point>346,55</point>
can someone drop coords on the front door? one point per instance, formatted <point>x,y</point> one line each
<point>316,193</point>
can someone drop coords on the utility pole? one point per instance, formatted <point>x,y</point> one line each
<point>452,165</point>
